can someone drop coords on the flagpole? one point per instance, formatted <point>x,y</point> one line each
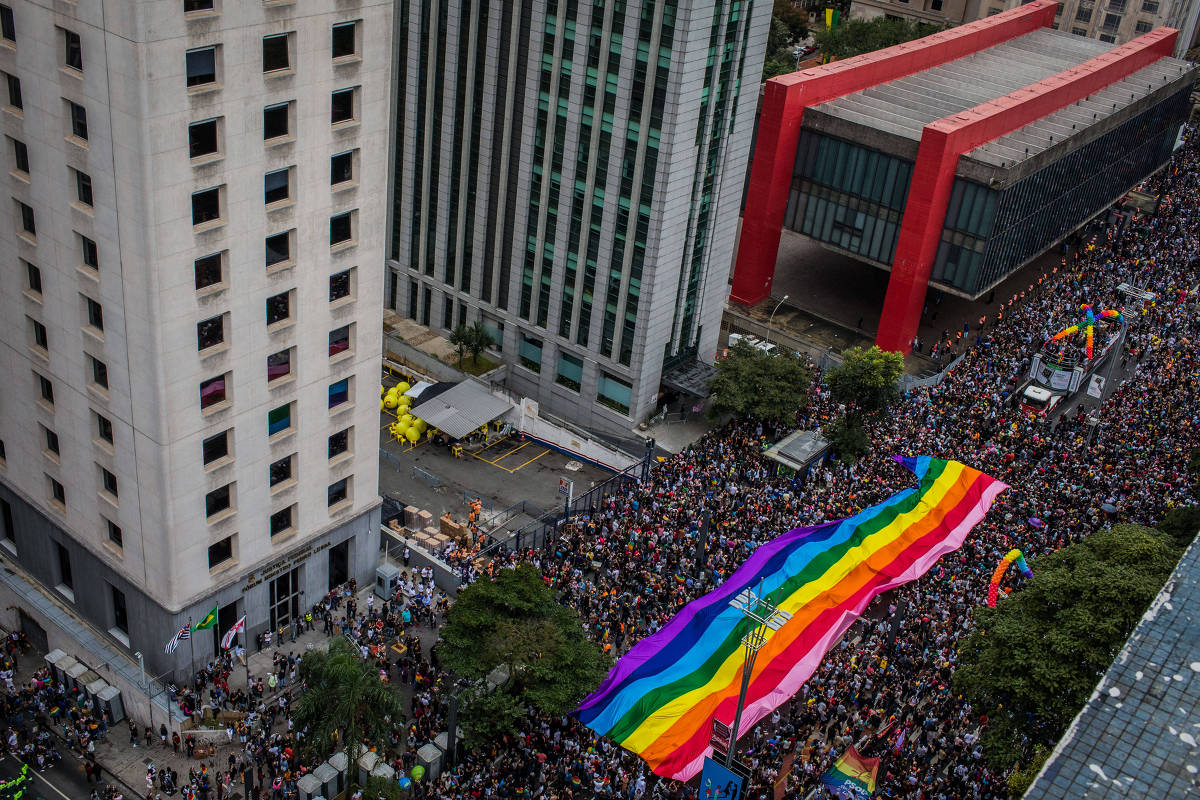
<point>192,646</point>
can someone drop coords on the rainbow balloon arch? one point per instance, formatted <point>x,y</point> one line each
<point>1012,557</point>
<point>1088,325</point>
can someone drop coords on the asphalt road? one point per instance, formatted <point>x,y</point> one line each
<point>64,781</point>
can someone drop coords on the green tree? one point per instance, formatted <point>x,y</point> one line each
<point>478,339</point>
<point>794,17</point>
<point>1033,660</point>
<point>460,337</point>
<point>1181,524</point>
<point>855,36</point>
<point>513,622</point>
<point>778,59</point>
<point>751,383</point>
<point>867,382</point>
<point>344,703</point>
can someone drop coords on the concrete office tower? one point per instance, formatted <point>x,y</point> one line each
<point>1117,21</point>
<point>189,311</point>
<point>571,172</point>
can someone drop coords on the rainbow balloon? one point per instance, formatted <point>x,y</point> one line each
<point>1087,324</point>
<point>1012,556</point>
<point>660,700</point>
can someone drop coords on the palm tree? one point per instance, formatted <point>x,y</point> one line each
<point>460,337</point>
<point>344,701</point>
<point>479,340</point>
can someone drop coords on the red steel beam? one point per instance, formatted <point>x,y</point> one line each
<point>786,97</point>
<point>944,141</point>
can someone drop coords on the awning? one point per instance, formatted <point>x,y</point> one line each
<point>799,449</point>
<point>461,409</point>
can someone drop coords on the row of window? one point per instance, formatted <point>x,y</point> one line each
<point>69,43</point>
<point>217,392</point>
<point>203,63</point>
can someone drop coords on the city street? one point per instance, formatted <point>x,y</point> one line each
<point>64,781</point>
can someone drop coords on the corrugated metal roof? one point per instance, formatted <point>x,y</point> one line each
<point>462,409</point>
<point>903,107</point>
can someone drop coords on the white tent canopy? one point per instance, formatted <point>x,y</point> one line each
<point>461,409</point>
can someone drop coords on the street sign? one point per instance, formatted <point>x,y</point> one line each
<point>719,783</point>
<point>566,488</point>
<point>721,736</point>
<point>1096,387</point>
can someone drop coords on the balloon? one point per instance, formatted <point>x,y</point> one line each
<point>398,430</point>
<point>404,781</point>
<point>403,387</point>
<point>389,401</point>
<point>407,419</point>
<point>1009,558</point>
<point>1087,325</point>
<point>413,435</point>
<point>382,390</point>
<point>417,772</point>
<point>421,425</point>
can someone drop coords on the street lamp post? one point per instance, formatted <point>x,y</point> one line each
<point>771,319</point>
<point>753,606</point>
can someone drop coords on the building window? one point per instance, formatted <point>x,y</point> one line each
<point>95,313</point>
<point>1142,27</point>
<point>279,365</point>
<point>280,470</point>
<point>279,419</point>
<point>38,331</point>
<point>120,613</point>
<point>14,91</point>
<point>206,206</point>
<point>8,25</point>
<point>51,439</point>
<point>218,500</point>
<point>201,67</point>
<point>338,492</point>
<point>339,341</point>
<point>78,116</point>
<point>1148,6</point>
<point>341,228</point>
<point>936,5</point>
<point>344,40</point>
<point>45,388</point>
<point>339,443</point>
<point>276,186</point>
<point>275,53</point>
<point>99,372</point>
<point>339,393</point>
<point>104,428</point>
<point>8,527</point>
<point>531,353</point>
<point>279,308</point>
<point>341,168</point>
<point>212,392</point>
<point>191,6</point>
<point>65,578</point>
<point>570,371</point>
<point>208,271</point>
<point>1116,5</point>
<point>72,50</point>
<point>276,121</point>
<point>215,448</point>
<point>28,223</point>
<point>203,139</point>
<point>108,482</point>
<point>83,188</point>
<point>34,277</point>
<point>220,552</point>
<point>89,253</point>
<point>339,286</point>
<point>57,493</point>
<point>1083,14</point>
<point>210,332</point>
<point>1112,22</point>
<point>114,533</point>
<point>1108,38</point>
<point>281,521</point>
<point>21,156</point>
<point>613,392</point>
<point>342,106</point>
<point>278,249</point>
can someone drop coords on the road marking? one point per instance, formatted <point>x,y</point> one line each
<point>33,771</point>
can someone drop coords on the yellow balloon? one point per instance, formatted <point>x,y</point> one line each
<point>420,425</point>
<point>405,400</point>
<point>407,419</point>
<point>403,387</point>
<point>389,401</point>
<point>381,404</point>
<point>412,435</point>
<point>382,390</point>
<point>397,429</point>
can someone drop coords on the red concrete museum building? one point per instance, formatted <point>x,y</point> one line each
<point>953,160</point>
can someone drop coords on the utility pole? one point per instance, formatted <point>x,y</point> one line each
<point>768,617</point>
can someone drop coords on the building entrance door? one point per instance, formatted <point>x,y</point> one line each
<point>34,632</point>
<point>339,564</point>
<point>226,617</point>
<point>285,599</point>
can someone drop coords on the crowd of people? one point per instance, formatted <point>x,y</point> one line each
<point>633,561</point>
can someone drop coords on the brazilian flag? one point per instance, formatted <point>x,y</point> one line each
<point>209,620</point>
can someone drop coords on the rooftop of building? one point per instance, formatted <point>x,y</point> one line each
<point>903,107</point>
<point>1137,736</point>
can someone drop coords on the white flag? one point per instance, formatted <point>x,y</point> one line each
<point>227,639</point>
<point>183,633</point>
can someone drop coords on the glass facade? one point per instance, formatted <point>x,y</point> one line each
<point>990,233</point>
<point>848,195</point>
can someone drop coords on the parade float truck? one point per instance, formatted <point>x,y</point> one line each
<point>1061,368</point>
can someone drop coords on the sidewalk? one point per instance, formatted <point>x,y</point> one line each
<point>128,764</point>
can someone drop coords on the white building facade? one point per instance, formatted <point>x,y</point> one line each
<point>570,172</point>
<point>189,306</point>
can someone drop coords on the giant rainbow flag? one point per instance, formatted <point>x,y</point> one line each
<point>659,701</point>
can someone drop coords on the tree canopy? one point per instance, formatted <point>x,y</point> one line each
<point>751,383</point>
<point>866,383</point>
<point>855,36</point>
<point>514,622</point>
<point>1032,661</point>
<point>344,703</point>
